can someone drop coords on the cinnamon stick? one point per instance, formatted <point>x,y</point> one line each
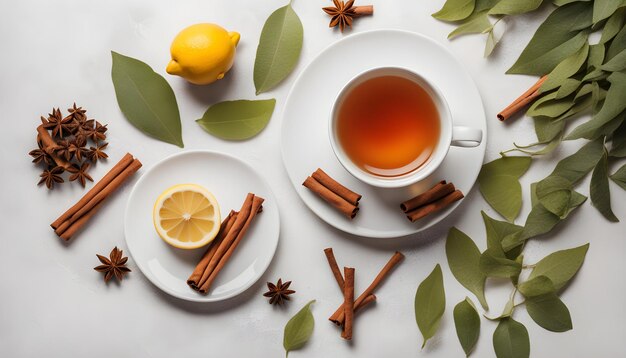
<point>332,262</point>
<point>49,146</point>
<point>233,238</point>
<point>332,185</point>
<point>332,198</point>
<point>435,206</point>
<point>194,280</point>
<point>363,10</point>
<point>339,316</point>
<point>521,101</point>
<point>348,303</point>
<point>78,224</point>
<point>438,191</point>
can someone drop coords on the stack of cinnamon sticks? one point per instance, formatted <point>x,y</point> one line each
<point>344,315</point>
<point>522,101</point>
<point>232,231</point>
<point>78,215</point>
<point>337,195</point>
<point>436,198</point>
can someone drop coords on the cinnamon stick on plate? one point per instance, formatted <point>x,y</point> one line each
<point>435,199</point>
<point>79,214</point>
<point>522,101</point>
<point>332,262</point>
<point>340,197</point>
<point>232,231</point>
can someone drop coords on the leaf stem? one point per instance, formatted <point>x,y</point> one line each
<point>528,266</point>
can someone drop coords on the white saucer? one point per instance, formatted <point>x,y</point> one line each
<point>229,179</point>
<point>306,146</point>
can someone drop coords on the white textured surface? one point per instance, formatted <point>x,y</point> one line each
<point>54,305</point>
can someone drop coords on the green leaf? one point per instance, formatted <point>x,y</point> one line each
<point>554,193</point>
<point>617,45</point>
<point>549,106</point>
<point>510,339</point>
<point>146,99</point>
<point>537,286</point>
<point>299,329</point>
<point>565,2</point>
<point>556,39</point>
<point>617,63</point>
<point>475,25</point>
<point>514,7</point>
<point>494,264</point>
<point>567,87</point>
<point>599,190</point>
<point>455,10</point>
<point>602,9</point>
<point>618,142</point>
<point>549,312</point>
<point>539,221</point>
<point>467,323</point>
<point>430,303</point>
<point>596,56</point>
<point>620,177</point>
<point>567,68</point>
<point>237,120</point>
<point>279,49</point>
<point>613,26</point>
<point>482,5</point>
<point>577,165</point>
<point>497,231</point>
<point>499,185</point>
<point>613,106</point>
<point>560,266</point>
<point>463,257</point>
<point>492,42</point>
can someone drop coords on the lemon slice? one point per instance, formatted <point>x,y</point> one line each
<point>186,216</point>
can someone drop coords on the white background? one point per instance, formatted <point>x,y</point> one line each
<point>53,304</point>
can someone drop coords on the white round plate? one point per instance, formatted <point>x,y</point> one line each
<point>306,146</point>
<point>230,180</point>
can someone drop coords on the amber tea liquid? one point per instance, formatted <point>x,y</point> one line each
<point>388,126</point>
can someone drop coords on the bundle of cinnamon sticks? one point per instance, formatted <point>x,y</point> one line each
<point>232,231</point>
<point>433,200</point>
<point>78,215</point>
<point>344,315</point>
<point>337,195</point>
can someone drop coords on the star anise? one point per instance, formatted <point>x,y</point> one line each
<point>77,113</point>
<point>97,152</point>
<point>51,176</point>
<point>94,130</point>
<point>40,155</point>
<point>59,124</point>
<point>80,173</point>
<point>78,145</point>
<point>279,292</point>
<point>342,14</point>
<point>115,265</point>
<point>65,149</point>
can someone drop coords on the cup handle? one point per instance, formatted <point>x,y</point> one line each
<point>466,137</point>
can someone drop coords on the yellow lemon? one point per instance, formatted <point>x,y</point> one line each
<point>202,53</point>
<point>187,216</point>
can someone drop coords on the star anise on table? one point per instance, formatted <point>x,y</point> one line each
<point>115,265</point>
<point>97,152</point>
<point>279,292</point>
<point>40,156</point>
<point>77,113</point>
<point>51,176</point>
<point>342,14</point>
<point>58,124</point>
<point>80,173</point>
<point>65,149</point>
<point>94,130</point>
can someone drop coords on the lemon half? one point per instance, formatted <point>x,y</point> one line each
<point>186,216</point>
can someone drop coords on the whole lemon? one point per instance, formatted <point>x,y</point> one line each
<point>202,53</point>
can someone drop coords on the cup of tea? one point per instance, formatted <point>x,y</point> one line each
<point>390,127</point>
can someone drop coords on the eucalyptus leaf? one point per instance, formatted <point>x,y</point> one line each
<point>613,26</point>
<point>467,323</point>
<point>510,339</point>
<point>596,56</point>
<point>430,303</point>
<point>499,185</point>
<point>554,193</point>
<point>497,231</point>
<point>547,128</point>
<point>577,165</point>
<point>565,2</point>
<point>567,87</point>
<point>556,39</point>
<point>618,44</point>
<point>617,63</point>
<point>463,257</point>
<point>491,43</point>
<point>494,264</point>
<point>602,9</point>
<point>549,106</point>
<point>560,266</point>
<point>599,191</point>
<point>549,312</point>
<point>455,10</point>
<point>537,286</point>
<point>618,142</point>
<point>279,48</point>
<point>477,24</point>
<point>482,5</point>
<point>619,177</point>
<point>539,221</point>
<point>299,329</point>
<point>237,120</point>
<point>566,68</point>
<point>514,7</point>
<point>146,99</point>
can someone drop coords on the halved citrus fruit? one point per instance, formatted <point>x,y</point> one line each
<point>187,216</point>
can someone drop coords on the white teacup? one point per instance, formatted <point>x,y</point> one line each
<point>450,135</point>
